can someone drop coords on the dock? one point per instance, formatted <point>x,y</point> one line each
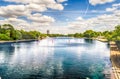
<point>115,59</point>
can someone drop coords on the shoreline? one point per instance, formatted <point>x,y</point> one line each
<point>18,41</point>
<point>102,40</point>
<point>98,39</point>
<point>29,40</point>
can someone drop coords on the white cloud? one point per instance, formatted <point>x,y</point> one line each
<point>55,6</point>
<point>117,13</point>
<point>60,1</point>
<point>13,11</point>
<point>40,4</point>
<point>100,23</point>
<point>17,23</point>
<point>79,19</point>
<point>116,5</point>
<point>28,6</point>
<point>32,1</point>
<point>36,7</point>
<point>111,9</point>
<point>39,18</point>
<point>14,20</point>
<point>95,2</point>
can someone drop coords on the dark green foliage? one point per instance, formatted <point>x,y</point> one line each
<point>31,34</point>
<point>16,35</point>
<point>86,34</point>
<point>7,32</point>
<point>112,35</point>
<point>4,37</point>
<point>109,35</point>
<point>78,35</point>
<point>90,34</point>
<point>115,36</point>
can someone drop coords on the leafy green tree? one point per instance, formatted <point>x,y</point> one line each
<point>70,35</point>
<point>116,33</point>
<point>17,35</point>
<point>4,37</point>
<point>9,27</point>
<point>34,34</point>
<point>90,34</point>
<point>78,35</point>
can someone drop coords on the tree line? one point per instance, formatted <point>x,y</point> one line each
<point>7,32</point>
<point>109,35</point>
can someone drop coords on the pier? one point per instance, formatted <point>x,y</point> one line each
<point>115,59</point>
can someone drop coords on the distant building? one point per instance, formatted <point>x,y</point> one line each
<point>48,32</point>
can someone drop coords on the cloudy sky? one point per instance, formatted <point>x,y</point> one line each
<point>61,16</point>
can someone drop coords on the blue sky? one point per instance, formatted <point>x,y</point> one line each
<point>76,8</point>
<point>43,14</point>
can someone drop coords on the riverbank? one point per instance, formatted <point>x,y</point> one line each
<point>98,38</point>
<point>101,39</point>
<point>115,58</point>
<point>29,40</point>
<point>18,41</point>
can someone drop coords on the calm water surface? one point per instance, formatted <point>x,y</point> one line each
<point>55,58</point>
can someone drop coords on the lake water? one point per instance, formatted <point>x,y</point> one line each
<point>55,58</point>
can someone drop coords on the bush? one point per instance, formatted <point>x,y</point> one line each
<point>4,37</point>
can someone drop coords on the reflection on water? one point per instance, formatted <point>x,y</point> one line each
<point>89,41</point>
<point>54,58</point>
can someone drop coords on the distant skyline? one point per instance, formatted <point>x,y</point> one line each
<point>61,16</point>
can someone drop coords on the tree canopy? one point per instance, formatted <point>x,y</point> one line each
<point>7,32</point>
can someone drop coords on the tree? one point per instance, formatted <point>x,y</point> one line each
<point>4,37</point>
<point>90,34</point>
<point>116,33</point>
<point>9,27</point>
<point>17,35</point>
<point>34,34</point>
<point>78,35</point>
